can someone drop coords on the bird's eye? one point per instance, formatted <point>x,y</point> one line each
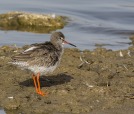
<point>61,38</point>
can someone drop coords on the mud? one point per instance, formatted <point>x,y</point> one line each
<point>37,23</point>
<point>99,81</point>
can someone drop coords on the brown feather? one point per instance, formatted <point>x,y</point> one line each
<point>43,53</point>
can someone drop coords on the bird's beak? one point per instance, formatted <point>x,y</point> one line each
<point>65,42</point>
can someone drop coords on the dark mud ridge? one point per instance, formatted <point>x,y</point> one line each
<point>39,23</point>
<point>99,81</point>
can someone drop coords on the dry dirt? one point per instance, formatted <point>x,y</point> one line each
<point>99,81</point>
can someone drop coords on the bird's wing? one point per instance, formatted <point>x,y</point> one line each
<point>41,44</point>
<point>38,53</point>
<point>25,55</point>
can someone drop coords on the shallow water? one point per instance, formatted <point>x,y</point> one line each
<point>2,111</point>
<point>105,22</point>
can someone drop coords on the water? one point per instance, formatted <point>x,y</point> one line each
<point>106,22</point>
<point>2,111</point>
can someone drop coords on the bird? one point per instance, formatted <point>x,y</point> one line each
<point>42,58</point>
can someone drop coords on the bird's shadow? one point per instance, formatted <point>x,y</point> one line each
<point>48,81</point>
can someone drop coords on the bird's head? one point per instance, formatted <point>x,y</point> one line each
<point>58,38</point>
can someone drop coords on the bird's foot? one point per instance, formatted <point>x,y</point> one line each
<point>42,93</point>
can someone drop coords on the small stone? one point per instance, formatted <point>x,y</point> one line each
<point>62,92</point>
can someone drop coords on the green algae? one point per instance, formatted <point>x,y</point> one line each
<point>38,23</point>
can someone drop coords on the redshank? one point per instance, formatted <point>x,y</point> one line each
<point>42,58</point>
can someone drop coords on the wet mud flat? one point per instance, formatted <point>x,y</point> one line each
<point>99,81</point>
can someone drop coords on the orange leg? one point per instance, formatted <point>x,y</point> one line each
<point>37,84</point>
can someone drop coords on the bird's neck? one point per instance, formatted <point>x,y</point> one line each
<point>58,47</point>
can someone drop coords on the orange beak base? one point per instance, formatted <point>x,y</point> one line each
<point>69,43</point>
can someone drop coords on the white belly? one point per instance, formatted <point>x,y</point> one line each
<point>35,68</point>
<point>43,70</point>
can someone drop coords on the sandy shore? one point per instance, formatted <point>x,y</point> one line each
<point>99,81</point>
